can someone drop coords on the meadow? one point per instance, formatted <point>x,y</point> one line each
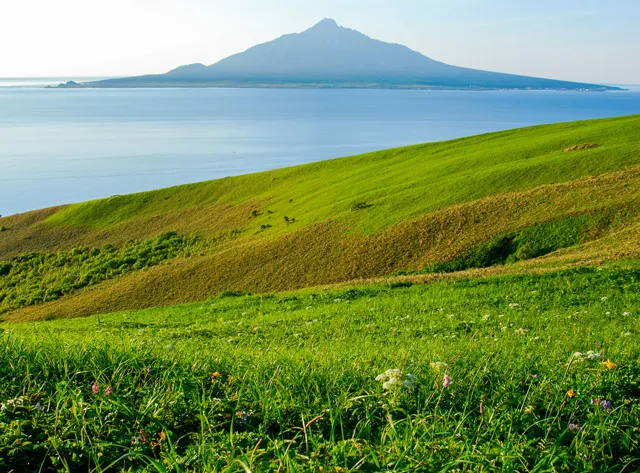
<point>431,207</point>
<point>516,373</point>
<point>464,306</point>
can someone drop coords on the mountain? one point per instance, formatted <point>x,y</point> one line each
<point>514,201</point>
<point>329,55</point>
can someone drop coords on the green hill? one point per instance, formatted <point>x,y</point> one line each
<point>540,197</point>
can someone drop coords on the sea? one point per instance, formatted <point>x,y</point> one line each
<point>60,146</point>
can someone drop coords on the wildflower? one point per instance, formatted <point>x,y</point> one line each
<point>391,383</point>
<point>108,391</point>
<point>605,404</point>
<point>149,369</point>
<point>593,401</point>
<point>571,393</point>
<point>215,376</point>
<point>574,428</point>
<point>481,408</point>
<point>447,381</point>
<point>245,417</point>
<point>626,314</point>
<point>609,364</point>
<point>95,387</point>
<point>395,378</point>
<point>604,298</point>
<point>39,407</point>
<point>592,355</point>
<point>529,409</point>
<point>99,454</point>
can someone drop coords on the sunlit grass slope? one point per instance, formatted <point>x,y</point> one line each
<point>358,217</point>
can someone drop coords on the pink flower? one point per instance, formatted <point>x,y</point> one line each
<point>447,381</point>
<point>108,391</point>
<point>95,387</point>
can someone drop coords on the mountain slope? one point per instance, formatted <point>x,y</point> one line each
<point>328,54</point>
<point>419,208</point>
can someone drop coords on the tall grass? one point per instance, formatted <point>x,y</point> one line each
<point>288,382</point>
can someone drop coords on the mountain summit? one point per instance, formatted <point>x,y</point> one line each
<point>329,55</point>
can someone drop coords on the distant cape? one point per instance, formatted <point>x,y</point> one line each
<point>329,55</point>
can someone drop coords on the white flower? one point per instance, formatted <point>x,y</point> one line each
<point>592,355</point>
<point>514,304</point>
<point>626,314</point>
<point>394,378</point>
<point>486,317</point>
<point>391,383</point>
<point>604,298</point>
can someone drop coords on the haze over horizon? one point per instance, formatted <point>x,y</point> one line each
<point>567,40</point>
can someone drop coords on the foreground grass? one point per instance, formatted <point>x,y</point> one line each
<point>288,382</point>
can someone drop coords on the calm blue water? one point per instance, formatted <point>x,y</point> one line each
<point>61,146</point>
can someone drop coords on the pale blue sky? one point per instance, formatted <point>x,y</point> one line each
<point>582,40</point>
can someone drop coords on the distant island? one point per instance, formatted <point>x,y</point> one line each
<point>331,56</point>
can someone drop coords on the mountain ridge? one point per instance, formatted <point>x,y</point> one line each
<point>330,55</point>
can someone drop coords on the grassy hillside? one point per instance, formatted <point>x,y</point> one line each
<point>421,208</point>
<point>289,382</point>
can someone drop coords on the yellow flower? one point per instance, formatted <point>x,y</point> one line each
<point>571,393</point>
<point>99,454</point>
<point>215,376</point>
<point>609,364</point>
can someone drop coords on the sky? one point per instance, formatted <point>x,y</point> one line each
<point>579,40</point>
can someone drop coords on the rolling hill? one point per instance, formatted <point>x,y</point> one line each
<point>516,201</point>
<point>328,55</point>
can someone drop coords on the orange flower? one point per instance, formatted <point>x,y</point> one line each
<point>571,393</point>
<point>609,364</point>
<point>215,376</point>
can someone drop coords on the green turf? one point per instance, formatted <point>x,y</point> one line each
<point>396,183</point>
<point>288,382</point>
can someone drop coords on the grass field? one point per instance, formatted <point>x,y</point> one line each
<point>465,306</point>
<point>403,210</point>
<point>287,382</point>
